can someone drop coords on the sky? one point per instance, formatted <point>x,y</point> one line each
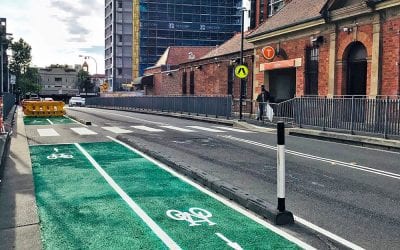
<point>58,30</point>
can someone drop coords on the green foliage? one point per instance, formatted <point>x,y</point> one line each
<point>27,79</point>
<point>21,58</point>
<point>84,81</point>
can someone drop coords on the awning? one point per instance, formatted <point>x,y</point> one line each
<point>144,80</point>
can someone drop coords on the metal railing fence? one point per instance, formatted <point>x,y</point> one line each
<point>218,106</point>
<point>8,103</point>
<point>357,114</point>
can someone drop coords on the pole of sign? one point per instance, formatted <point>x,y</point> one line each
<point>283,217</point>
<point>241,63</point>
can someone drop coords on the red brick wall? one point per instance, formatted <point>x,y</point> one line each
<point>390,57</point>
<point>363,34</point>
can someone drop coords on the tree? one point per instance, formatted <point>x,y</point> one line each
<point>27,78</point>
<point>84,81</point>
<point>21,57</point>
<point>29,81</point>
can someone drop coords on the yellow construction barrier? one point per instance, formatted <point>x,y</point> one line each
<point>43,108</point>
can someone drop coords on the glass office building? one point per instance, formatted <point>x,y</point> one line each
<point>155,25</point>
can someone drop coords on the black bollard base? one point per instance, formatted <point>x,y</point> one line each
<point>284,218</point>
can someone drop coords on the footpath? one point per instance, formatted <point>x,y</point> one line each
<point>19,221</point>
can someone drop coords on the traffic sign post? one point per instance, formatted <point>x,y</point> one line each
<point>241,71</point>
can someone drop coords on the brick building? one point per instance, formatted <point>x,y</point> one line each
<point>200,71</point>
<point>329,48</point>
<point>164,78</point>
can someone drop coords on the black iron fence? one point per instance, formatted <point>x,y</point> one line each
<point>356,114</point>
<point>218,106</point>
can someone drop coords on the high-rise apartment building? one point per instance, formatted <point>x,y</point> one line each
<point>138,32</point>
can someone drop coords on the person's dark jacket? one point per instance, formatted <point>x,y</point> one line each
<point>263,96</point>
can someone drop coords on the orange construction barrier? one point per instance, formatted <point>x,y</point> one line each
<point>43,108</point>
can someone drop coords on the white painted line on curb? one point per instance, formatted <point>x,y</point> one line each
<point>170,243</point>
<point>225,201</point>
<point>47,132</point>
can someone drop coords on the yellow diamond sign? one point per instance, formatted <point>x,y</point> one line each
<point>241,71</point>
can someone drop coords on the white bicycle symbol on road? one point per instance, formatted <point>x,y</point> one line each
<point>195,216</point>
<point>57,155</point>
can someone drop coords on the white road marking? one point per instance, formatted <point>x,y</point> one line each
<point>52,123</point>
<point>83,131</point>
<point>207,129</point>
<point>178,129</point>
<point>317,158</point>
<point>220,198</point>
<point>126,116</point>
<point>234,129</point>
<point>47,132</point>
<point>230,243</point>
<point>117,130</point>
<point>145,128</point>
<point>135,207</point>
<point>327,233</point>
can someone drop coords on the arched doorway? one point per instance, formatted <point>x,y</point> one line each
<point>356,75</point>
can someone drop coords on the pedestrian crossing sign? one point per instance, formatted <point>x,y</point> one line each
<point>241,71</point>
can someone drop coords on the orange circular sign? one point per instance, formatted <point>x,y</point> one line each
<point>268,52</point>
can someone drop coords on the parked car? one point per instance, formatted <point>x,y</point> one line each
<point>48,99</point>
<point>76,101</point>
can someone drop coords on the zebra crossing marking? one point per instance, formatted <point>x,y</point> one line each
<point>83,131</point>
<point>178,129</point>
<point>234,129</point>
<point>207,129</point>
<point>117,130</point>
<point>47,132</point>
<point>148,129</point>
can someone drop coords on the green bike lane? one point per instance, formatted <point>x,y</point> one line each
<point>54,120</point>
<point>108,195</point>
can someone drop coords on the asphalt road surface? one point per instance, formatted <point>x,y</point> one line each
<point>352,192</point>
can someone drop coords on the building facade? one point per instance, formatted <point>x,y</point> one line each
<point>118,42</point>
<point>4,72</point>
<point>330,48</point>
<point>59,81</point>
<point>263,9</point>
<point>138,32</point>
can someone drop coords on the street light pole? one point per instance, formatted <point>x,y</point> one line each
<point>242,81</point>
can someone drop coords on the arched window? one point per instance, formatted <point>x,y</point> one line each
<point>356,73</point>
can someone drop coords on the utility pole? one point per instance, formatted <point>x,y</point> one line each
<point>242,80</point>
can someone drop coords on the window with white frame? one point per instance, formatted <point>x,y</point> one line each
<point>274,6</point>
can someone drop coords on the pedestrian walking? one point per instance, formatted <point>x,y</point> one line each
<point>262,99</point>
